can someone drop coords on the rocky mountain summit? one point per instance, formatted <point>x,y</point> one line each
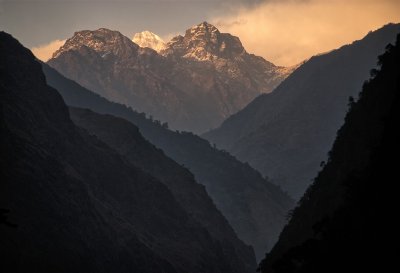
<point>118,69</point>
<point>219,68</point>
<point>102,41</point>
<point>204,42</point>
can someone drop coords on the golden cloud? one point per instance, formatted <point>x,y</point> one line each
<point>44,52</point>
<point>288,32</point>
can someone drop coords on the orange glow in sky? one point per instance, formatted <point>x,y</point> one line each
<point>285,32</point>
<point>288,32</point>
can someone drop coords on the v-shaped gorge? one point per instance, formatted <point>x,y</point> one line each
<point>286,134</point>
<point>79,206</point>
<point>194,83</point>
<point>254,207</point>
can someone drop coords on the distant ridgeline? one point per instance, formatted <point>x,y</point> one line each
<point>346,221</point>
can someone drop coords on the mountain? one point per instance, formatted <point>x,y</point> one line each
<point>125,138</point>
<point>205,44</point>
<point>76,205</point>
<point>288,133</point>
<point>118,69</point>
<point>217,67</point>
<point>346,221</point>
<point>254,207</point>
<point>195,83</point>
<point>149,39</point>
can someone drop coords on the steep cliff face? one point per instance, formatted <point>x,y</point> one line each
<point>195,82</point>
<point>78,205</point>
<point>287,134</point>
<point>254,207</point>
<point>345,222</point>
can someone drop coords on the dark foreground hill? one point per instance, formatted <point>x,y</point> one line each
<point>125,138</point>
<point>76,205</point>
<point>347,222</point>
<point>287,134</point>
<point>254,207</point>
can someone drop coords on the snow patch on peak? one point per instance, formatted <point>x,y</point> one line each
<point>149,39</point>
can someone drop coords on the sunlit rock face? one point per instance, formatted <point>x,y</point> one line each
<point>102,41</point>
<point>205,43</point>
<point>217,66</point>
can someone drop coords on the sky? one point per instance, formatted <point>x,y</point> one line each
<point>284,32</point>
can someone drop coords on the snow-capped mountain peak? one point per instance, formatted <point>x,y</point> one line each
<point>149,39</point>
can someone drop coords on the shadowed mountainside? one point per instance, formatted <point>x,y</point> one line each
<point>254,207</point>
<point>346,220</point>
<point>125,138</point>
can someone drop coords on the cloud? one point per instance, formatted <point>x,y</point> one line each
<point>288,32</point>
<point>44,52</point>
<point>167,37</point>
<point>229,24</point>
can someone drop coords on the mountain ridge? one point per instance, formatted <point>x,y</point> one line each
<point>175,86</point>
